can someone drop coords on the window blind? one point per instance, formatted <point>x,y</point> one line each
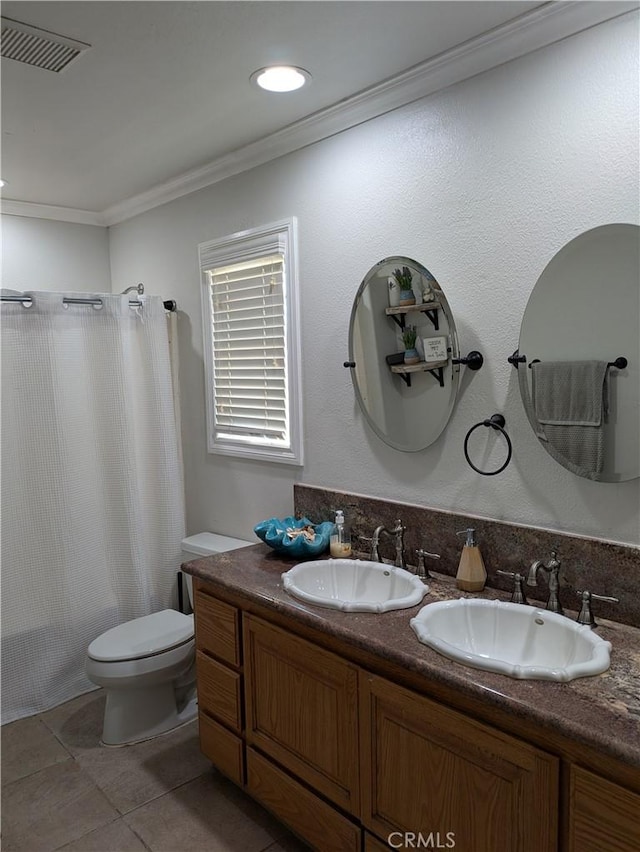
<point>249,348</point>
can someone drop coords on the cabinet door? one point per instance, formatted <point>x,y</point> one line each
<point>602,815</point>
<point>301,709</point>
<point>435,773</point>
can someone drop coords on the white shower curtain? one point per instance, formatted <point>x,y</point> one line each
<point>92,491</point>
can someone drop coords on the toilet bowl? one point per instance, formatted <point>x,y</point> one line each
<point>147,666</point>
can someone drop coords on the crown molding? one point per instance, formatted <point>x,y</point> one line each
<point>51,211</point>
<point>531,31</point>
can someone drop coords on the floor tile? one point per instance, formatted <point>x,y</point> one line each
<point>27,747</point>
<point>78,723</point>
<point>115,837</point>
<point>63,791</point>
<point>209,814</point>
<point>132,775</point>
<point>50,808</point>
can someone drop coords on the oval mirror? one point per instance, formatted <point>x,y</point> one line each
<point>583,315</point>
<point>406,404</point>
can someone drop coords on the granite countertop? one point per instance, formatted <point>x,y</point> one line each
<point>600,712</point>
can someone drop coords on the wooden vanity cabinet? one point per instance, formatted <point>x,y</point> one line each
<point>427,769</point>
<point>352,761</point>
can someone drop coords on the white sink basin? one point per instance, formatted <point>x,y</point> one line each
<point>512,639</point>
<point>354,585</point>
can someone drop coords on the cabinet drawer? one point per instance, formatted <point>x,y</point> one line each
<point>219,691</point>
<point>223,748</point>
<point>217,628</point>
<point>301,706</point>
<point>306,814</point>
<point>602,815</point>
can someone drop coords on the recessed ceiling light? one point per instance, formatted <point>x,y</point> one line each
<point>280,78</point>
<point>2,183</point>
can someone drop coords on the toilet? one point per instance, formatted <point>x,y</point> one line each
<point>147,666</point>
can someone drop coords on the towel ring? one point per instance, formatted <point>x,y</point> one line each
<point>496,421</point>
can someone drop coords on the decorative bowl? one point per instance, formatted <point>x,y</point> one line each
<point>275,533</point>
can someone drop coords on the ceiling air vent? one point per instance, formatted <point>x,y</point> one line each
<point>37,47</point>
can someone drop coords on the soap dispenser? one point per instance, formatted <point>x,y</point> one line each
<point>472,574</point>
<point>340,543</point>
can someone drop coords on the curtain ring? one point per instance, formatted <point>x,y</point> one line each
<point>496,421</point>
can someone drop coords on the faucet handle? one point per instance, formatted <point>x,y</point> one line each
<point>421,570</point>
<point>422,553</point>
<point>585,615</point>
<point>518,595</point>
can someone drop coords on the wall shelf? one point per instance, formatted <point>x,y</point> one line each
<point>429,308</point>
<point>436,369</point>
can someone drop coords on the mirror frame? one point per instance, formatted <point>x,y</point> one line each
<point>451,373</point>
<point>576,274</point>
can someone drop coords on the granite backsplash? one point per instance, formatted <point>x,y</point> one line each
<point>601,567</point>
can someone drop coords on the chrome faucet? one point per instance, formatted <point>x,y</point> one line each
<point>552,567</point>
<point>398,531</point>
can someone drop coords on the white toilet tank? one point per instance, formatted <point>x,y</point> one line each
<point>207,544</point>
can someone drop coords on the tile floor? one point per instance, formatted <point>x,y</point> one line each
<point>61,790</point>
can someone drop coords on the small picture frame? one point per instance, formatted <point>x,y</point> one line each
<point>435,349</point>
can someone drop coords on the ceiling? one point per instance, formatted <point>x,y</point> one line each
<point>164,91</point>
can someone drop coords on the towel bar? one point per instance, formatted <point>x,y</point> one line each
<point>516,359</point>
<point>620,363</point>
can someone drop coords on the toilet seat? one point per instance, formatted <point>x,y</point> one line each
<point>143,637</point>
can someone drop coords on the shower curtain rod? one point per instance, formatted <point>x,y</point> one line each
<point>169,304</point>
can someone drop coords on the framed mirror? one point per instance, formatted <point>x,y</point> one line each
<point>406,398</point>
<point>585,308</point>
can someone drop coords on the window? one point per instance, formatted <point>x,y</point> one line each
<point>252,346</point>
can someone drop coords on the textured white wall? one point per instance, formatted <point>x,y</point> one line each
<point>39,254</point>
<point>482,183</point>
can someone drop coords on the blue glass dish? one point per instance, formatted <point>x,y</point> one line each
<point>274,533</point>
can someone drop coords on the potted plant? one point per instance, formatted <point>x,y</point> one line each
<point>404,278</point>
<point>409,339</point>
